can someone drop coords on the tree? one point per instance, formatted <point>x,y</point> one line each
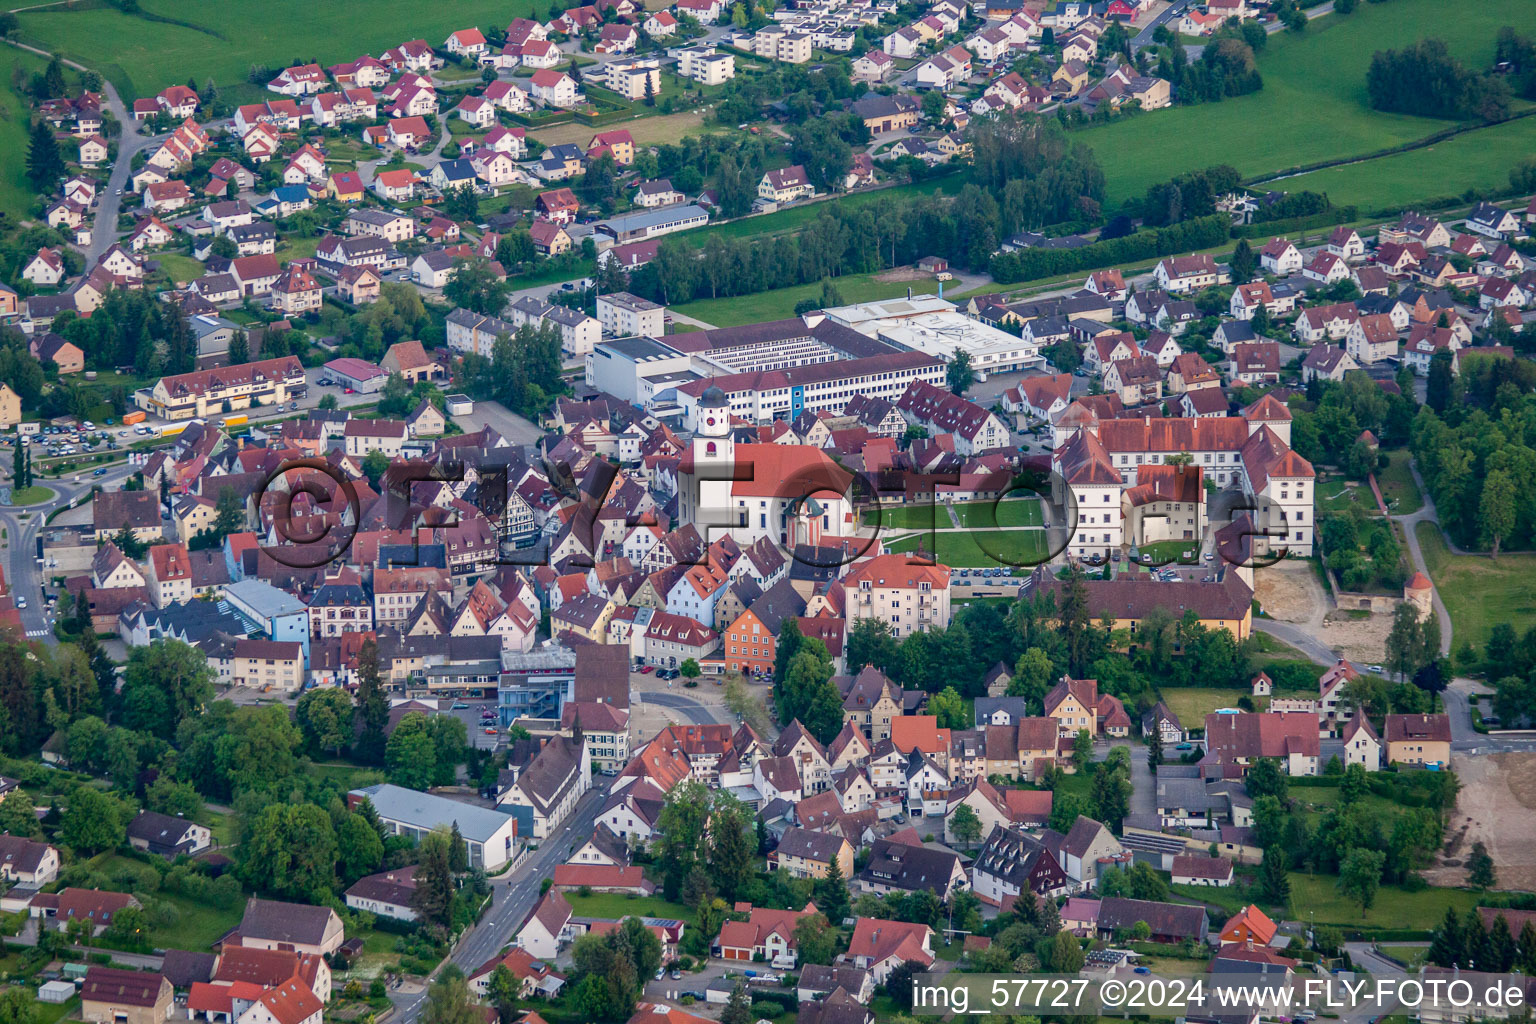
<point>324,717</point>
<point>94,822</point>
<point>433,898</point>
<point>375,465</point>
<point>949,708</point>
<point>1440,383</point>
<point>681,823</point>
<point>372,704</point>
<point>458,850</point>
<point>737,1009</point>
<point>870,642</point>
<point>16,1007</point>
<point>411,755</point>
<point>449,1001</point>
<point>504,991</point>
<point>816,938</point>
<point>1447,947</point>
<point>1274,883</point>
<point>958,374</point>
<point>1496,511</point>
<point>359,850</point>
<point>45,164</point>
<point>18,816</point>
<point>730,849</point>
<point>1112,795</point>
<point>163,683</point>
<point>1266,779</point>
<point>290,852</point>
<point>129,927</point>
<point>476,286</point>
<point>1242,262</point>
<point>1082,749</point>
<point>689,669</point>
<point>831,893</point>
<point>1032,675</point>
<point>1360,875</point>
<point>1065,954</point>
<point>965,825</point>
<point>1480,870</point>
<point>1403,641</point>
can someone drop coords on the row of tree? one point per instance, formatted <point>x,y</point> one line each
<point>1424,79</point>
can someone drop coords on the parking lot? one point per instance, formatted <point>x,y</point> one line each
<point>469,711</point>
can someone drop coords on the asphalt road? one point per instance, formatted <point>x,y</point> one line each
<point>20,545</point>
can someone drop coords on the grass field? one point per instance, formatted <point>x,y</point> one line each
<point>1396,483</point>
<point>1193,703</point>
<point>180,268</point>
<point>1479,592</point>
<point>31,495</point>
<point>197,925</point>
<point>223,42</point>
<point>957,548</point>
<point>1313,107</point>
<point>1478,159</point>
<point>780,303</point>
<point>646,130</point>
<point>902,517</point>
<point>795,216</point>
<point>616,904</point>
<point>15,118</point>
<point>1011,512</point>
<point>1395,908</point>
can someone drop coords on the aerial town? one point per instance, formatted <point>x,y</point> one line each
<point>732,510</point>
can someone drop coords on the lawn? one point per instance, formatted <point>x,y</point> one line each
<point>1478,591</point>
<point>999,547</point>
<point>1339,495</point>
<point>1193,703</point>
<point>1012,512</point>
<point>1171,552</point>
<point>1397,487</point>
<point>795,216</point>
<point>779,304</point>
<point>15,117</point>
<point>1316,897</point>
<point>180,269</point>
<point>903,517</point>
<point>36,494</point>
<point>1479,159</point>
<point>197,926</point>
<point>172,41</point>
<point>1313,107</point>
<point>647,130</point>
<point>613,905</point>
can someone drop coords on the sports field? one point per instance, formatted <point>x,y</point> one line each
<point>1023,548</point>
<point>1313,107</point>
<point>1007,512</point>
<point>173,40</point>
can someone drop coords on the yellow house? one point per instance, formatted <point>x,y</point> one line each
<point>346,187</point>
<point>1071,77</point>
<point>10,406</point>
<point>870,702</point>
<point>1224,603</point>
<point>803,853</point>
<point>193,514</point>
<point>1418,739</point>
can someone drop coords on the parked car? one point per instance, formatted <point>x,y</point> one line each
<point>459,705</point>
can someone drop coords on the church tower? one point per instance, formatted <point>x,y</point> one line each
<point>708,495</point>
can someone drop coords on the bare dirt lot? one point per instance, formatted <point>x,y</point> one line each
<point>1291,592</point>
<point>1497,805</point>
